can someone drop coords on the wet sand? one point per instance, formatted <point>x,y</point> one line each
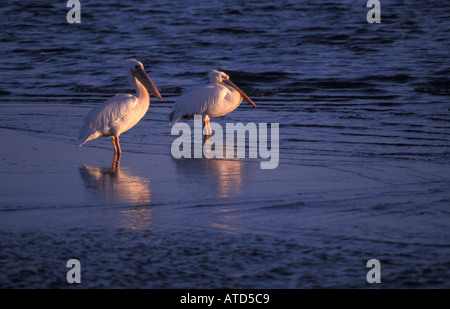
<point>42,177</point>
<point>157,222</point>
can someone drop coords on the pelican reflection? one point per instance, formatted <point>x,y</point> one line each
<point>116,185</point>
<point>225,176</point>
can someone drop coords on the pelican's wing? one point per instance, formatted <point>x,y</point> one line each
<point>196,102</point>
<point>102,118</point>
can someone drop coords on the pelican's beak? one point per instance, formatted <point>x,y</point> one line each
<point>143,78</point>
<point>231,84</point>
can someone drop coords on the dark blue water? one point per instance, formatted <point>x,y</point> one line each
<point>364,145</point>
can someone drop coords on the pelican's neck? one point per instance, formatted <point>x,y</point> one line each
<point>142,93</point>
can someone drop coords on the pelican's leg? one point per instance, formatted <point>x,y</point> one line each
<point>113,139</point>
<point>119,151</point>
<point>208,131</point>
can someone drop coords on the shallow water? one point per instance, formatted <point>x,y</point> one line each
<point>364,146</point>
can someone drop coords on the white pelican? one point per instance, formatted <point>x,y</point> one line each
<point>121,112</point>
<point>216,99</point>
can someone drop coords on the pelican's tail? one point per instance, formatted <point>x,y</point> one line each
<point>86,135</point>
<point>90,137</point>
<point>173,118</point>
<point>82,143</point>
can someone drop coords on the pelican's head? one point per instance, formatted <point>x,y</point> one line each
<point>137,71</point>
<point>223,79</point>
<point>217,77</point>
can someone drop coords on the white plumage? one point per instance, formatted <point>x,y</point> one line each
<point>121,112</point>
<point>216,99</point>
